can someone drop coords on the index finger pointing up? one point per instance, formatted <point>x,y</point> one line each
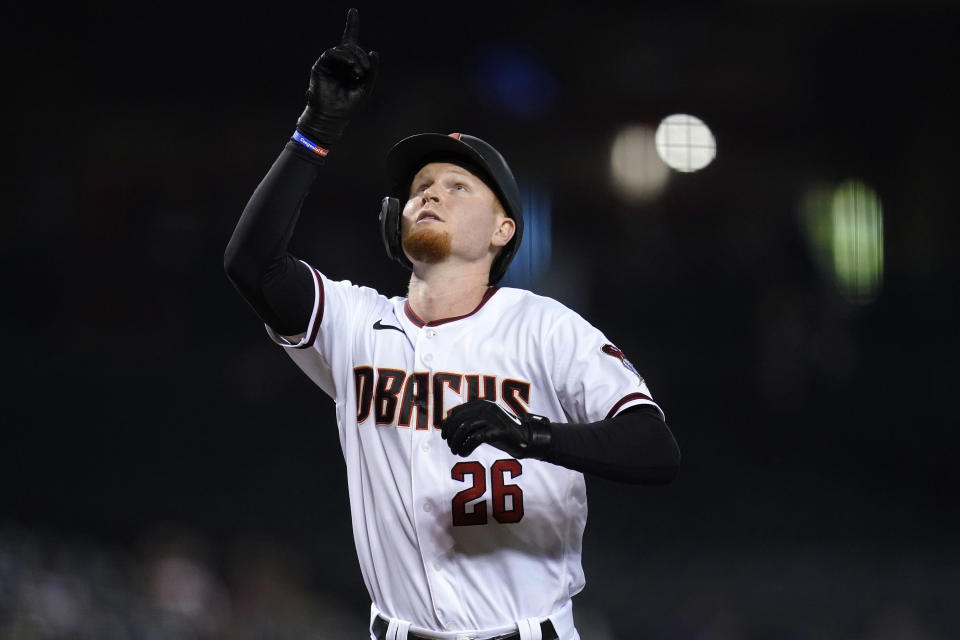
<point>351,32</point>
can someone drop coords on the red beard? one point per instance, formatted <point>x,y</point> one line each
<point>427,245</point>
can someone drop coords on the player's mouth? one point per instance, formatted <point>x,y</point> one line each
<point>428,215</point>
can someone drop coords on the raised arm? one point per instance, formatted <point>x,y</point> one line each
<point>275,283</point>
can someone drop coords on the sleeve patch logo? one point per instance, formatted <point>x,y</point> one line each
<point>613,351</point>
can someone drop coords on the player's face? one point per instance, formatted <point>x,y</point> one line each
<point>452,212</point>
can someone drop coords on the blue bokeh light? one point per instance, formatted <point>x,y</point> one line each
<point>533,255</point>
<point>513,80</point>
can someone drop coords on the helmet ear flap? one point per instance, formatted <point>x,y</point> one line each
<point>390,213</point>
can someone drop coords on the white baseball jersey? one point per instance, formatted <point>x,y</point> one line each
<point>449,543</point>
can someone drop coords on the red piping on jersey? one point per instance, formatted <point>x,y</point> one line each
<point>420,322</point>
<point>316,323</point>
<point>624,400</point>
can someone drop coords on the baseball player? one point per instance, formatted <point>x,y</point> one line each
<point>467,412</point>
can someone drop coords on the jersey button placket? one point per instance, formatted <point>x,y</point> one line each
<point>429,333</point>
<point>425,348</point>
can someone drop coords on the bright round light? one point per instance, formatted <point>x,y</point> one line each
<point>685,143</point>
<point>637,172</point>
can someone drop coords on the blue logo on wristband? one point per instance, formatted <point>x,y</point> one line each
<point>317,149</point>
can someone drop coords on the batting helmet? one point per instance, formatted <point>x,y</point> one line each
<point>410,155</point>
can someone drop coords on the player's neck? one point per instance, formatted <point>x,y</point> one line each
<point>436,295</point>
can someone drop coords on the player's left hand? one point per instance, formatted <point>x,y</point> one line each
<point>340,80</point>
<point>478,421</point>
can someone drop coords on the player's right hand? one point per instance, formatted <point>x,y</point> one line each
<point>340,79</point>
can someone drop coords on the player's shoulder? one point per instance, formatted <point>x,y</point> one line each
<point>527,304</point>
<point>356,295</point>
<point>348,285</point>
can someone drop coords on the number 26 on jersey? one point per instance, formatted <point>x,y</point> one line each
<point>507,498</point>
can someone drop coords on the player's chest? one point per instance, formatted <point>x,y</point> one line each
<point>413,377</point>
<point>445,348</point>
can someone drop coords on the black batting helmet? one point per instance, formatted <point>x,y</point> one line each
<point>409,155</point>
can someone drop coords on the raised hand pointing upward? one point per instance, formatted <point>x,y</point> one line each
<point>340,79</point>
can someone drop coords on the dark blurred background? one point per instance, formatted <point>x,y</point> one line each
<point>169,473</point>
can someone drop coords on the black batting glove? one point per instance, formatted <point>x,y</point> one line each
<point>339,81</point>
<point>473,423</point>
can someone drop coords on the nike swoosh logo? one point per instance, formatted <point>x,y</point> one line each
<point>378,326</point>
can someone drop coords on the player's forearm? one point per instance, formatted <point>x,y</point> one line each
<point>263,232</point>
<point>635,446</point>
<point>256,259</point>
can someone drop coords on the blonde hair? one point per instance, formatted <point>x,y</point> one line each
<point>498,206</point>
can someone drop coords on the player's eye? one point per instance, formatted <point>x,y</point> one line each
<point>460,186</point>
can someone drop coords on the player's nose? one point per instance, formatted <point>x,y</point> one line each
<point>430,195</point>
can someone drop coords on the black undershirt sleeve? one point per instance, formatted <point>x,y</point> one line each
<point>635,446</point>
<point>277,285</point>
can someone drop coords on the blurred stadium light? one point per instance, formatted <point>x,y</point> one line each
<point>637,171</point>
<point>844,227</point>
<point>685,143</point>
